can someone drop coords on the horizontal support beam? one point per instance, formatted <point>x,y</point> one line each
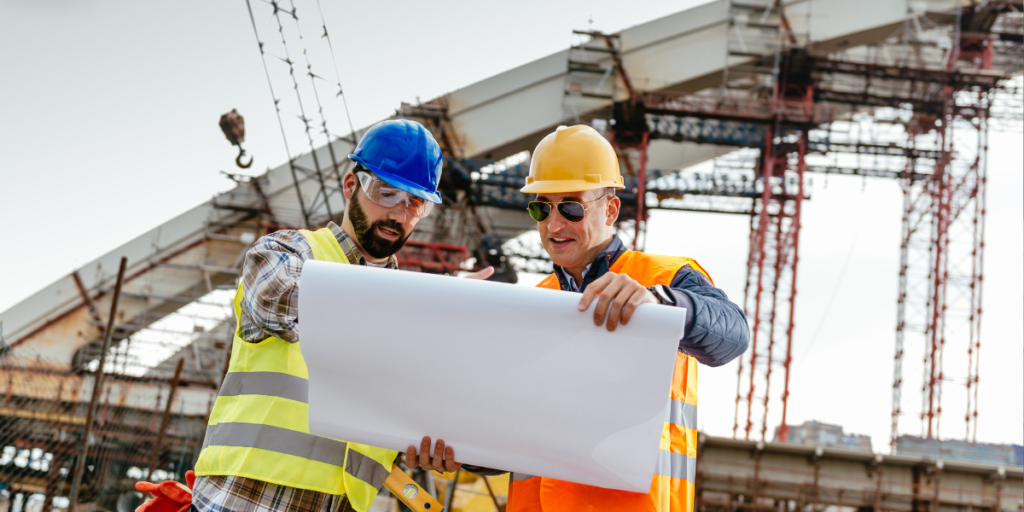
<point>876,173</point>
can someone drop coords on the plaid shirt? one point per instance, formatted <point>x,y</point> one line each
<point>270,302</point>
<point>237,494</point>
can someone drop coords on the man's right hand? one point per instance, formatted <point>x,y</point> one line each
<point>443,460</point>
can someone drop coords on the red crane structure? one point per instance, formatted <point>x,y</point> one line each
<point>782,97</point>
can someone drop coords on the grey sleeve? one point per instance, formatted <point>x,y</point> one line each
<point>716,328</point>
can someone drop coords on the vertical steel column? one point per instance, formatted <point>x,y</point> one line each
<point>641,196</point>
<point>943,192</point>
<point>450,497</point>
<point>978,268</point>
<point>76,482</point>
<point>53,483</point>
<point>155,458</point>
<point>979,170</point>
<point>801,167</point>
<point>746,312</point>
<point>759,246</point>
<point>906,231</point>
<point>780,252</point>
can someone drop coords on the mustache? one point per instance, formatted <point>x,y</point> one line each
<point>391,224</point>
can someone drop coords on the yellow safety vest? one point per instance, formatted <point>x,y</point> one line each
<point>259,426</point>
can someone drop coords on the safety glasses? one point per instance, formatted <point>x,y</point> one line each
<point>572,211</point>
<point>380,192</point>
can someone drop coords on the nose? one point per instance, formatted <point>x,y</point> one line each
<point>400,212</point>
<point>555,221</point>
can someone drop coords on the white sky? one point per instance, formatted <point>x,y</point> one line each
<point>108,127</point>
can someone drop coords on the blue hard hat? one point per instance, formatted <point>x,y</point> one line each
<point>404,154</point>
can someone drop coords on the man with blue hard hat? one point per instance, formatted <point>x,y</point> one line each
<point>258,454</point>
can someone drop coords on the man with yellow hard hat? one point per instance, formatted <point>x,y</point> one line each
<point>574,173</point>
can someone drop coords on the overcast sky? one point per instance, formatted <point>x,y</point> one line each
<point>108,127</point>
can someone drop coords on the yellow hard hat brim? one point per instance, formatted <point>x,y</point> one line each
<point>564,186</point>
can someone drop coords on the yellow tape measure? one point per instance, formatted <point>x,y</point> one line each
<point>414,496</point>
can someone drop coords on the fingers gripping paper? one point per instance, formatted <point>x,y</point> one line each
<point>511,377</point>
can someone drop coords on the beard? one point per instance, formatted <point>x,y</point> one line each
<point>366,232</point>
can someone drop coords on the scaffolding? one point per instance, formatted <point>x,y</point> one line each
<point>916,108</point>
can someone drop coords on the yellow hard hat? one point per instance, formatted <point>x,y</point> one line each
<point>573,159</point>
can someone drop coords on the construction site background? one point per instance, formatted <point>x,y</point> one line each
<point>910,102</point>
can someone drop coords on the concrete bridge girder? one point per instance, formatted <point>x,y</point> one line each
<point>493,118</point>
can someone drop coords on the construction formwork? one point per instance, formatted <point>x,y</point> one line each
<point>735,474</point>
<point>141,425</point>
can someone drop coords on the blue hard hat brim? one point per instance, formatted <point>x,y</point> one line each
<point>400,183</point>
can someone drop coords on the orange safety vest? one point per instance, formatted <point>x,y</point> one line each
<point>672,487</point>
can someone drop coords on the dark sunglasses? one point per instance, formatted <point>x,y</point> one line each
<point>572,211</point>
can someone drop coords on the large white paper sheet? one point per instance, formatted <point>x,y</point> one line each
<point>511,377</point>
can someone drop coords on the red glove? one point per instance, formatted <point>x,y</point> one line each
<point>171,496</point>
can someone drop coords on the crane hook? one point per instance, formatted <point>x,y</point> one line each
<point>233,126</point>
<point>238,160</point>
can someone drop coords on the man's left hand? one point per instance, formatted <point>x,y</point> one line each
<point>620,295</point>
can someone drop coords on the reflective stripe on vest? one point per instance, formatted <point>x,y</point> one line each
<point>265,383</point>
<point>259,425</point>
<point>676,467</point>
<point>682,414</point>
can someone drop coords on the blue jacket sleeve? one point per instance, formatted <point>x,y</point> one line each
<point>716,328</point>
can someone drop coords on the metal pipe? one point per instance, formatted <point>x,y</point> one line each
<point>76,483</point>
<point>451,490</point>
<point>86,298</point>
<point>877,504</point>
<point>816,490</point>
<point>497,506</point>
<point>428,483</point>
<point>166,419</point>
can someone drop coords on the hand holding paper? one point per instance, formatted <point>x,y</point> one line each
<point>443,461</point>
<point>620,296</point>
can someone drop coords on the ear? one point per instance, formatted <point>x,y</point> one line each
<point>348,186</point>
<point>612,210</point>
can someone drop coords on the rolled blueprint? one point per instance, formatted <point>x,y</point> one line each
<point>511,377</point>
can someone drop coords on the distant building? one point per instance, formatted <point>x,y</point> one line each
<point>953,449</point>
<point>815,433</point>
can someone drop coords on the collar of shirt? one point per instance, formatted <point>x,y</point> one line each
<point>352,252</point>
<point>570,282</point>
<point>595,269</point>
